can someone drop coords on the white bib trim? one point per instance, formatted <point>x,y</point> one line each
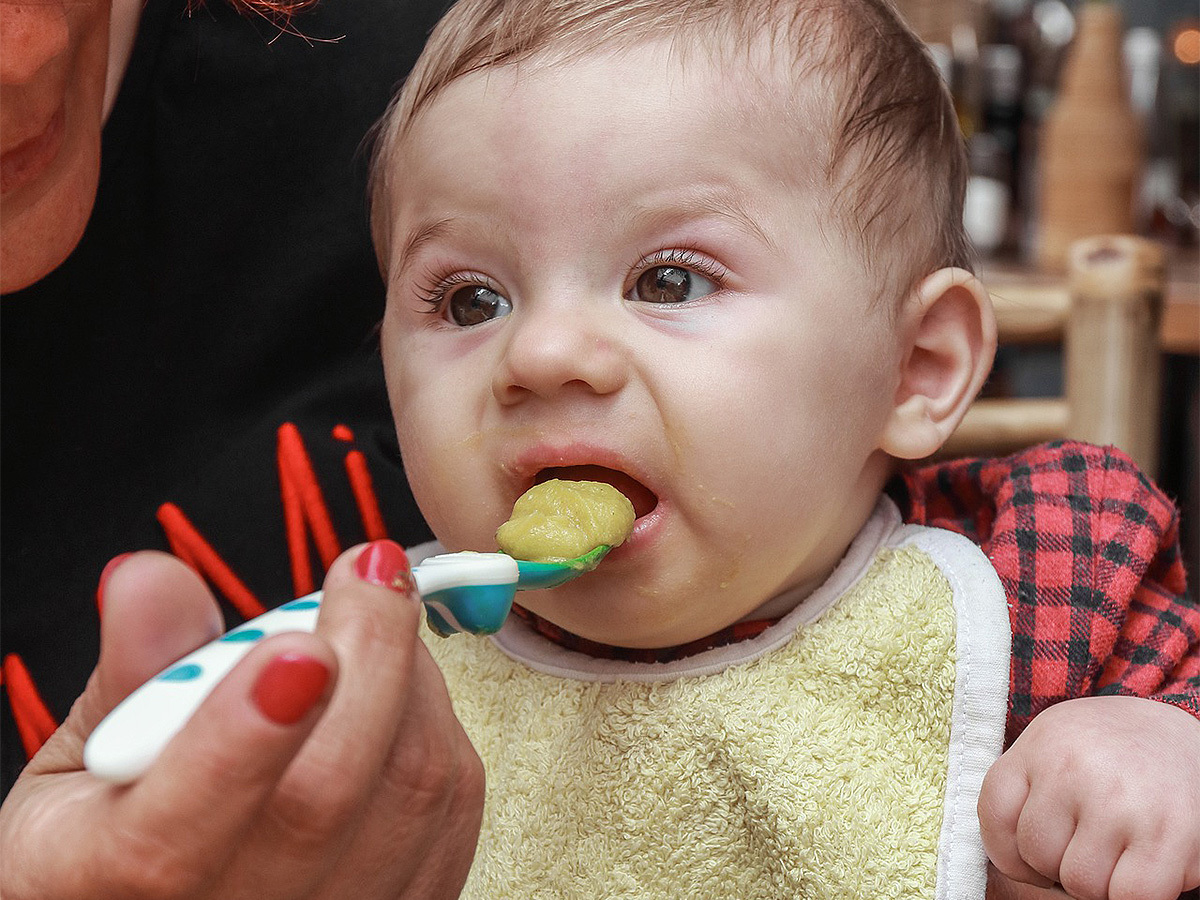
<point>984,645</point>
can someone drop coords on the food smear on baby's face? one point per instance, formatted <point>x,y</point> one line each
<point>559,520</point>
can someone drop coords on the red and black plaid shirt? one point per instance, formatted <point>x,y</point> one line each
<point>1087,549</point>
<point>1088,552</point>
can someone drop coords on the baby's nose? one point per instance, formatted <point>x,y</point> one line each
<point>555,350</point>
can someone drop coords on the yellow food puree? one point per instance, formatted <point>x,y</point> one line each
<point>559,520</point>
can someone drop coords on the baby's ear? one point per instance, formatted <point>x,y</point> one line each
<point>949,334</point>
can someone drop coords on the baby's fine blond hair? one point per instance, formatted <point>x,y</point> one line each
<point>896,165</point>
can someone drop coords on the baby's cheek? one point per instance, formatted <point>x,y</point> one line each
<point>446,483</point>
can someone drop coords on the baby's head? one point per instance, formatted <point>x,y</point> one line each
<point>710,252</point>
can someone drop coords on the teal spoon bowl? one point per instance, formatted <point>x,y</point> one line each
<point>535,576</point>
<point>474,592</point>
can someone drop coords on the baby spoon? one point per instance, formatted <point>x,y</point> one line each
<point>467,591</point>
<point>473,592</point>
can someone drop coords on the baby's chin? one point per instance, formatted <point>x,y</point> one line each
<point>636,629</point>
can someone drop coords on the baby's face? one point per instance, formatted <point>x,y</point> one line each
<point>609,269</point>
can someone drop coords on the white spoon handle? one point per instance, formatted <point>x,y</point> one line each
<point>131,737</point>
<point>462,591</point>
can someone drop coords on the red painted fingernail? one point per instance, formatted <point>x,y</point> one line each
<point>384,563</point>
<point>289,686</point>
<point>105,574</point>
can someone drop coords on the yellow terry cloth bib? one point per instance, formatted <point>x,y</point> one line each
<point>838,754</point>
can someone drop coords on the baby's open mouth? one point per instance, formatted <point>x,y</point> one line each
<point>643,499</point>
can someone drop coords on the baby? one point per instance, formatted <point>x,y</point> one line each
<point>711,253</point>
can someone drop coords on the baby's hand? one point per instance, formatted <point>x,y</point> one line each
<point>1102,796</point>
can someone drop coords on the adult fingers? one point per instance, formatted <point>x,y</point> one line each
<point>1002,798</point>
<point>170,833</point>
<point>369,616</point>
<point>156,610</point>
<point>435,776</point>
<point>177,827</point>
<point>444,868</point>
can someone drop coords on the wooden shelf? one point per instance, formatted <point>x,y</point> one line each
<point>1040,301</point>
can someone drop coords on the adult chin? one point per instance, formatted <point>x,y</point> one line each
<point>49,179</point>
<point>44,220</point>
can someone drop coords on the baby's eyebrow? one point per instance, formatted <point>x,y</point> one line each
<point>720,203</point>
<point>419,236</point>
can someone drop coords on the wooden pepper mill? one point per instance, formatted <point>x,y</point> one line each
<point>1092,151</point>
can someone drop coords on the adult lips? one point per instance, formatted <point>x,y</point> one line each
<point>29,159</point>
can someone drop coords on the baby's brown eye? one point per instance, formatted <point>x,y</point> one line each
<point>671,284</point>
<point>475,304</point>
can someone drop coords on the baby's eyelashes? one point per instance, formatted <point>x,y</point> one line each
<point>676,276</point>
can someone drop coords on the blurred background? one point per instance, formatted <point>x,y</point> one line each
<point>1083,117</point>
<point>1004,61</point>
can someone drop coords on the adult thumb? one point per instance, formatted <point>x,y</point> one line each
<point>155,610</point>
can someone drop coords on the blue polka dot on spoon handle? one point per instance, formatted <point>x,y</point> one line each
<point>462,591</point>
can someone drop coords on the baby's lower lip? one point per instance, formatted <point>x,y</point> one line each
<point>25,162</point>
<point>645,529</point>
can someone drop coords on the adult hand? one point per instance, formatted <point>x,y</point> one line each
<point>1099,796</point>
<point>282,785</point>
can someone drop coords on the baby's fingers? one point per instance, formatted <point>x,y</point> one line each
<point>1002,799</point>
<point>177,828</point>
<point>1156,871</point>
<point>1089,861</point>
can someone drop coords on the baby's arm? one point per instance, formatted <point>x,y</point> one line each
<point>1102,796</point>
<point>1088,551</point>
